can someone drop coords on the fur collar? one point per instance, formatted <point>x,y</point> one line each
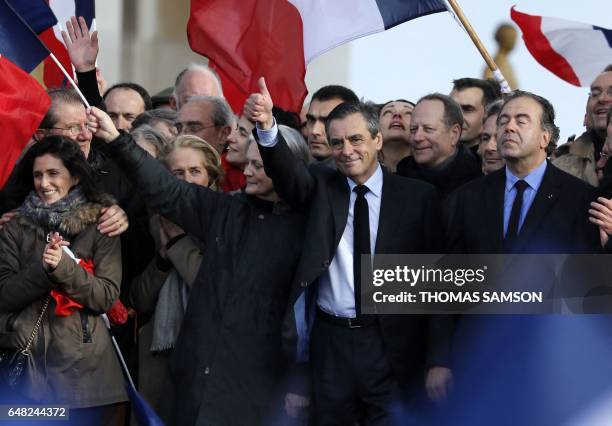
<point>79,219</point>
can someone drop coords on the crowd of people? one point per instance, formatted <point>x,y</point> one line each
<point>226,249</point>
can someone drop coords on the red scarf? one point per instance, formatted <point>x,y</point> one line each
<point>65,306</point>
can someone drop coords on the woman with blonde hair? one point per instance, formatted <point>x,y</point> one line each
<point>160,293</point>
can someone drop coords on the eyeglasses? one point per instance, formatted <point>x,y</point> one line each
<point>604,155</point>
<point>191,127</point>
<point>597,93</point>
<point>73,130</point>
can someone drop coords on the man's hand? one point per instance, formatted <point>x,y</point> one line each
<point>101,125</point>
<point>438,382</point>
<point>53,252</point>
<point>170,229</point>
<point>7,217</point>
<point>600,214</point>
<point>82,47</point>
<point>113,222</point>
<point>258,107</point>
<point>295,404</point>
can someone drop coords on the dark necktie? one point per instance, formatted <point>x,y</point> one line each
<point>515,214</point>
<point>361,240</point>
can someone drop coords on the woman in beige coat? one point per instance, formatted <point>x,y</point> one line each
<point>71,360</point>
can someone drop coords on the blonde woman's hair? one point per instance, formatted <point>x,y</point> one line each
<point>213,159</point>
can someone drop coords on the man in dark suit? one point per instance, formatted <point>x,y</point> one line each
<point>363,366</point>
<point>527,207</point>
<point>551,214</point>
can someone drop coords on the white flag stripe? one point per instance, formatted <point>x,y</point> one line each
<point>580,44</point>
<point>328,24</point>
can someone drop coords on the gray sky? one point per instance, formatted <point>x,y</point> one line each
<point>426,54</point>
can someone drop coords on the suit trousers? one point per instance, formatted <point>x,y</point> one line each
<point>352,378</point>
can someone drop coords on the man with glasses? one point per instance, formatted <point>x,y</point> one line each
<point>211,118</point>
<point>207,117</point>
<point>67,117</point>
<point>579,157</point>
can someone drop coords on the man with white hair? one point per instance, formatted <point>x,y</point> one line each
<point>195,80</point>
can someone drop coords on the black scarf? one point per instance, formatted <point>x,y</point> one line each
<point>51,216</point>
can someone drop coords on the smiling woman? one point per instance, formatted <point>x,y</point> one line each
<point>70,359</point>
<point>52,180</point>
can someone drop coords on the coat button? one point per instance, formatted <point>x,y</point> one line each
<point>261,216</point>
<point>304,284</point>
<point>325,264</point>
<point>207,371</point>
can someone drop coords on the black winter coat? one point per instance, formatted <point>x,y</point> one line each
<point>227,367</point>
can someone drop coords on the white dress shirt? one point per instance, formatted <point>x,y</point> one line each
<point>336,294</point>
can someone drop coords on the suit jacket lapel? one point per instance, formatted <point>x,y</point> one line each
<point>545,198</point>
<point>494,209</point>
<point>390,212</point>
<point>339,200</point>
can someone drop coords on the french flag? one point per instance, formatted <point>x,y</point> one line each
<point>63,10</point>
<point>247,39</point>
<point>573,51</point>
<point>20,21</point>
<point>23,101</point>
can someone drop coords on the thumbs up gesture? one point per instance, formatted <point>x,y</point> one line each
<point>258,107</point>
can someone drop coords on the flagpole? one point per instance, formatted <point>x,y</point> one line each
<point>72,83</point>
<point>499,77</point>
<point>70,80</point>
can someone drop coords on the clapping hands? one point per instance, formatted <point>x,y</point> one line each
<point>53,251</point>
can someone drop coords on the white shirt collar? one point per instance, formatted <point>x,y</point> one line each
<point>374,183</point>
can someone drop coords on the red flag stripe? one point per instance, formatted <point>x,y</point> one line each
<point>247,39</point>
<point>23,104</point>
<point>541,49</point>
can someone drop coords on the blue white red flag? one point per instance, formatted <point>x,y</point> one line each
<point>247,39</point>
<point>19,22</point>
<point>573,51</point>
<point>63,10</point>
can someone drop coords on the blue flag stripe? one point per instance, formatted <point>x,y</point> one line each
<point>394,12</point>
<point>36,13</point>
<point>18,42</point>
<point>86,9</point>
<point>606,32</point>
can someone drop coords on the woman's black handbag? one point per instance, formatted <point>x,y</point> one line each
<point>12,366</point>
<point>13,362</point>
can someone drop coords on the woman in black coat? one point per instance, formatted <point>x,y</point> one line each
<point>228,366</point>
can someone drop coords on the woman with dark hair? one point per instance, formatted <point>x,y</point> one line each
<point>51,297</point>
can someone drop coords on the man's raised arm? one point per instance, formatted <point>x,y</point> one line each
<point>292,180</point>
